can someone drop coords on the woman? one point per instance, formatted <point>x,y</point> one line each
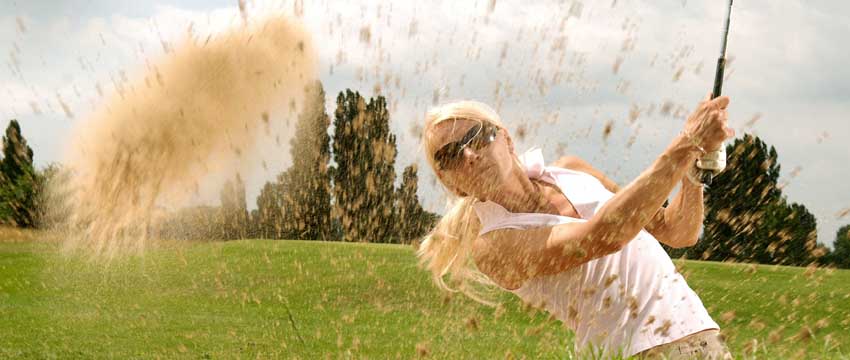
<point>565,238</point>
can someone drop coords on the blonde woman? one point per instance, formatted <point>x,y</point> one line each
<point>567,239</point>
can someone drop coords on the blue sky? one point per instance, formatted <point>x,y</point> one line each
<point>559,70</point>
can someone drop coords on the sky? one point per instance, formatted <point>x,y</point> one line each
<point>558,72</point>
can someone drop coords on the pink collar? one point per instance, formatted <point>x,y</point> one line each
<point>533,162</point>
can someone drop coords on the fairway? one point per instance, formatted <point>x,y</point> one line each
<point>308,300</point>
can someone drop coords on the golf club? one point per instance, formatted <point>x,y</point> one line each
<point>716,160</point>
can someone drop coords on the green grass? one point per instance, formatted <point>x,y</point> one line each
<point>299,299</point>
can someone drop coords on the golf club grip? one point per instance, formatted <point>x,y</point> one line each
<point>707,176</point>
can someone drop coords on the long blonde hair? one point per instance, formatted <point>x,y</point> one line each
<point>447,249</point>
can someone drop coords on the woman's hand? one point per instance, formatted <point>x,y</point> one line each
<point>707,125</point>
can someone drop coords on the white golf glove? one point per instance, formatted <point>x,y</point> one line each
<point>714,161</point>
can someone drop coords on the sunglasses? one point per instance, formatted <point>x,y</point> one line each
<point>450,156</point>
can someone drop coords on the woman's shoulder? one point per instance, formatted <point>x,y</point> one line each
<point>575,163</point>
<point>572,162</point>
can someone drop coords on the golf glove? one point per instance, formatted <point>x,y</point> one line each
<point>714,161</point>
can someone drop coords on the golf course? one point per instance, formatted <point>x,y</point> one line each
<point>309,300</point>
<point>276,179</point>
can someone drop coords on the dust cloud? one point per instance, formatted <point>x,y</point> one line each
<point>197,111</point>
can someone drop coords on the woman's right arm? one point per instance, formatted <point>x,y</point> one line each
<point>516,255</point>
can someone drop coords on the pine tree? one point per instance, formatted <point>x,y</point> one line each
<point>413,220</point>
<point>349,119</point>
<point>840,256</point>
<point>380,178</point>
<point>18,179</point>
<point>746,216</point>
<point>276,208</point>
<point>792,240</point>
<point>364,151</point>
<point>737,201</point>
<point>268,212</point>
<point>308,182</point>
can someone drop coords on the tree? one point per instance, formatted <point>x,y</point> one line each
<point>413,220</point>
<point>269,217</point>
<point>748,219</point>
<point>736,203</point>
<point>840,256</point>
<point>364,151</point>
<point>297,204</point>
<point>792,237</point>
<point>193,223</point>
<point>254,224</point>
<point>275,208</point>
<point>18,179</point>
<point>234,209</point>
<point>52,196</point>
<point>308,182</point>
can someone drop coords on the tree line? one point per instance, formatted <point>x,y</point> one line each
<point>342,187</point>
<point>344,190</point>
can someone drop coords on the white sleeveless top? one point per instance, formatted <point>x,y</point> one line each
<point>619,304</point>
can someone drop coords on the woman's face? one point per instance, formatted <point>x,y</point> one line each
<point>479,171</point>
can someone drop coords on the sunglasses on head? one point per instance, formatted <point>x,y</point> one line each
<point>450,156</point>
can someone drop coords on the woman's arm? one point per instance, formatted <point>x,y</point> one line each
<point>510,256</point>
<point>676,225</point>
<point>516,255</point>
<point>679,224</point>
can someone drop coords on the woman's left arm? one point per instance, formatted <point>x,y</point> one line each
<point>677,225</point>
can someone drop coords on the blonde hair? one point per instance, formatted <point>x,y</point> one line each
<point>447,249</point>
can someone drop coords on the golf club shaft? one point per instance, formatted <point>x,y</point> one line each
<point>707,175</point>
<point>718,78</point>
